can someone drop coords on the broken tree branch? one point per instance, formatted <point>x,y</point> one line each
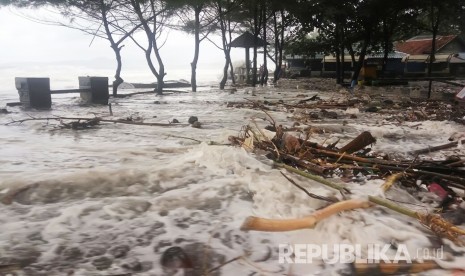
<point>313,177</point>
<point>437,148</point>
<point>98,119</point>
<point>361,141</point>
<point>312,195</point>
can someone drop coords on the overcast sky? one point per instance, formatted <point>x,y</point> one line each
<point>31,49</point>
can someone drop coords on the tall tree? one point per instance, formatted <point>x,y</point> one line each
<point>264,67</point>
<point>98,18</point>
<point>152,15</point>
<point>201,26</point>
<point>224,10</point>
<point>281,21</point>
<point>439,16</point>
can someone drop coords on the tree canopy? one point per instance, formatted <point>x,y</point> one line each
<point>357,27</point>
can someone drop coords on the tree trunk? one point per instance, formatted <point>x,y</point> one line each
<point>225,73</point>
<point>386,39</point>
<point>160,84</point>
<point>277,70</point>
<point>343,56</point>
<point>116,49</point>
<point>435,19</point>
<point>221,19</point>
<point>352,53</point>
<point>231,71</point>
<point>279,43</point>
<point>264,69</point>
<point>337,38</point>
<point>338,66</point>
<point>118,80</point>
<point>197,10</point>
<point>225,27</point>
<point>256,29</point>
<point>152,45</point>
<point>361,58</point>
<point>233,79</point>
<point>161,66</point>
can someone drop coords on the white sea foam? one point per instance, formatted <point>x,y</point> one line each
<point>85,193</point>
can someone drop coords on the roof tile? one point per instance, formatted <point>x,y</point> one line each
<point>422,46</point>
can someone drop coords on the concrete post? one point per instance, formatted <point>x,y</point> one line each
<point>99,92</point>
<point>34,92</point>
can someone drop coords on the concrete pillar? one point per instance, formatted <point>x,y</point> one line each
<point>34,92</point>
<point>99,92</point>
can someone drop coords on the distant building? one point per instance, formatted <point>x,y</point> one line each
<point>448,56</point>
<point>410,58</point>
<point>421,45</point>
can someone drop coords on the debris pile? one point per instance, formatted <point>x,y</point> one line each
<point>413,110</point>
<point>440,182</point>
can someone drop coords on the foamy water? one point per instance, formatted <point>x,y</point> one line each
<point>112,199</point>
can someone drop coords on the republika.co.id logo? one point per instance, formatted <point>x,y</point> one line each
<point>354,253</point>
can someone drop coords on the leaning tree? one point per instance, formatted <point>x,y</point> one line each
<point>152,16</point>
<point>100,18</point>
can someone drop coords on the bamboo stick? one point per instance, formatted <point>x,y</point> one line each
<point>279,225</point>
<point>434,222</point>
<point>313,177</point>
<point>393,206</point>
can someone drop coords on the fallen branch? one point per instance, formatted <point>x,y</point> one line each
<point>361,141</point>
<point>313,98</point>
<point>225,263</point>
<point>422,172</point>
<point>280,225</point>
<point>353,157</point>
<point>436,148</point>
<point>97,119</point>
<point>187,138</point>
<point>313,177</point>
<point>314,168</point>
<point>312,195</point>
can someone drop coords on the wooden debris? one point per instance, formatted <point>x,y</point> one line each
<point>94,120</point>
<point>314,177</point>
<point>364,139</point>
<point>312,195</point>
<point>437,148</point>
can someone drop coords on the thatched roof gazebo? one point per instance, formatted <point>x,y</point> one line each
<point>247,41</point>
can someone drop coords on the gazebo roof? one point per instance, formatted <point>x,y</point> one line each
<point>246,40</point>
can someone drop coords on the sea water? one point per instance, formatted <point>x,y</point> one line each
<point>111,199</point>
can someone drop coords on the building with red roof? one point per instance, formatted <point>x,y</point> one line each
<point>421,45</point>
